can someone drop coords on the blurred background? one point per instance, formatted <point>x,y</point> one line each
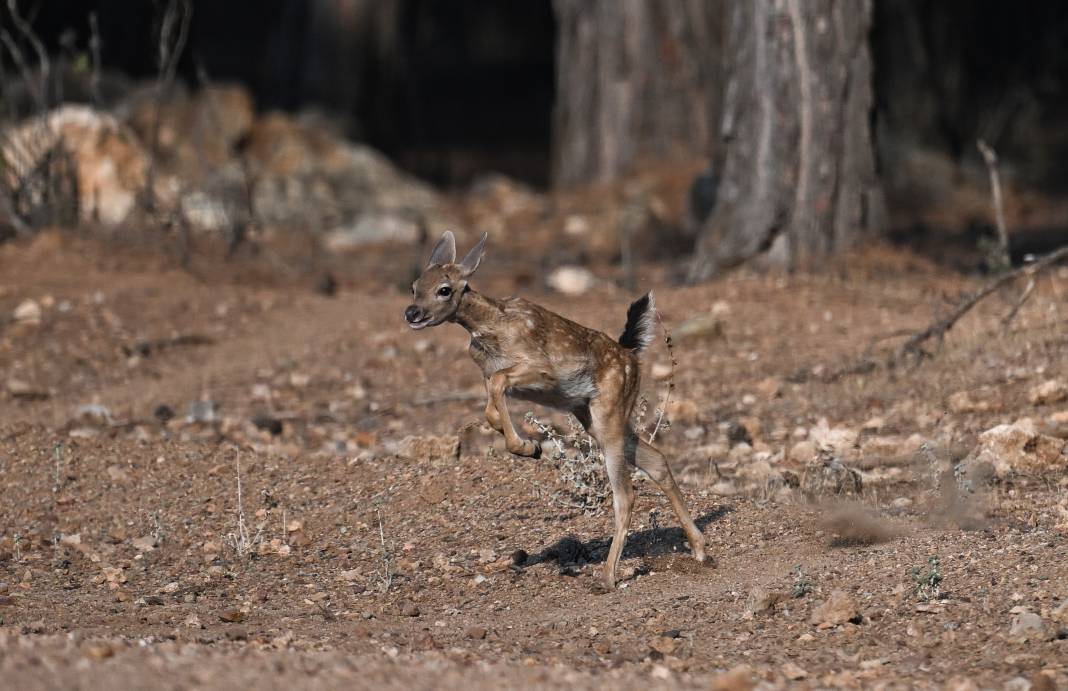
<point>701,134</point>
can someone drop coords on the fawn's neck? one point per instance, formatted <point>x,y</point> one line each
<point>475,311</point>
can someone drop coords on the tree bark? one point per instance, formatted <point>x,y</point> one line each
<point>635,79</point>
<point>798,179</point>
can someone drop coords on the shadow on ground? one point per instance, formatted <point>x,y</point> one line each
<point>569,552</point>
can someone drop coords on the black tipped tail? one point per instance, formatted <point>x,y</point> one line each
<point>639,331</point>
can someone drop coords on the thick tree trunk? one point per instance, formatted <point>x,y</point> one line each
<point>798,178</point>
<point>635,79</point>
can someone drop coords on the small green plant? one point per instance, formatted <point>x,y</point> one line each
<point>802,586</point>
<point>927,585</point>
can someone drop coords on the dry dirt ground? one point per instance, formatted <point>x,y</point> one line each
<point>206,483</point>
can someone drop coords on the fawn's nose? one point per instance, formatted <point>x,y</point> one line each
<point>413,314</point>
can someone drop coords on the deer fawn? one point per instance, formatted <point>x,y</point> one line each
<point>527,352</point>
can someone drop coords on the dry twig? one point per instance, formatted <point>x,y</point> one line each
<point>938,329</point>
<point>990,157</point>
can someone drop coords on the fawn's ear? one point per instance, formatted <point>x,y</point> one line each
<point>445,251</point>
<point>474,257</point>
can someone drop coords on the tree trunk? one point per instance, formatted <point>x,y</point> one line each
<point>635,79</point>
<point>798,178</point>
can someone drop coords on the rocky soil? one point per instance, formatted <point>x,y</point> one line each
<point>222,478</point>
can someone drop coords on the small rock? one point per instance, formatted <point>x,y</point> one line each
<point>1049,391</point>
<point>960,683</point>
<point>269,424</point>
<point>964,402</point>
<point>1017,684</point>
<point>1026,625</point>
<point>738,678</point>
<point>98,651</point>
<point>664,645</point>
<point>25,391</point>
<point>28,312</point>
<point>232,616</point>
<point>163,413</point>
<point>838,609</point>
<point>803,451</point>
<point>144,544</point>
<point>1016,448</point>
<point>761,600</point>
<point>740,453</point>
<point>723,488</point>
<point>793,672</point>
<point>94,414</point>
<point>704,325</point>
<point>770,387</point>
<point>661,371</point>
<point>682,411</point>
<point>571,280</point>
<point>839,439</point>
<point>1060,613</point>
<point>475,633</point>
<point>826,474</point>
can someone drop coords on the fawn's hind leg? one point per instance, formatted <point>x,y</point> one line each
<point>649,459</point>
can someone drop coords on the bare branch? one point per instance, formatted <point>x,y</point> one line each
<point>1019,303</point>
<point>939,328</point>
<point>27,32</point>
<point>990,157</point>
<point>94,53</point>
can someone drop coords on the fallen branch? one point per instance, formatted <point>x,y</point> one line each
<point>939,328</point>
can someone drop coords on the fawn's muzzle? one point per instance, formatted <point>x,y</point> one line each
<point>414,316</point>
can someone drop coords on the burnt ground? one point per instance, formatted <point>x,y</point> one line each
<point>281,534</point>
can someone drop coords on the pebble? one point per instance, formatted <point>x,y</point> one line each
<point>1049,391</point>
<point>571,280</point>
<point>837,609</point>
<point>1026,625</point>
<point>793,672</point>
<point>98,651</point>
<point>28,312</point>
<point>232,616</point>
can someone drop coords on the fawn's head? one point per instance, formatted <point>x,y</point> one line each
<point>438,291</point>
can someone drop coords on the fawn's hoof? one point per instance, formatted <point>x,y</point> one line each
<point>529,448</point>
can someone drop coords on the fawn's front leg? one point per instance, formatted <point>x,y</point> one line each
<point>497,412</point>
<point>493,416</point>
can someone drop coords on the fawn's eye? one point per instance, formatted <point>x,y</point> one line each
<point>444,291</point>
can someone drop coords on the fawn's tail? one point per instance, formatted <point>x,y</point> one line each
<point>640,329</point>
